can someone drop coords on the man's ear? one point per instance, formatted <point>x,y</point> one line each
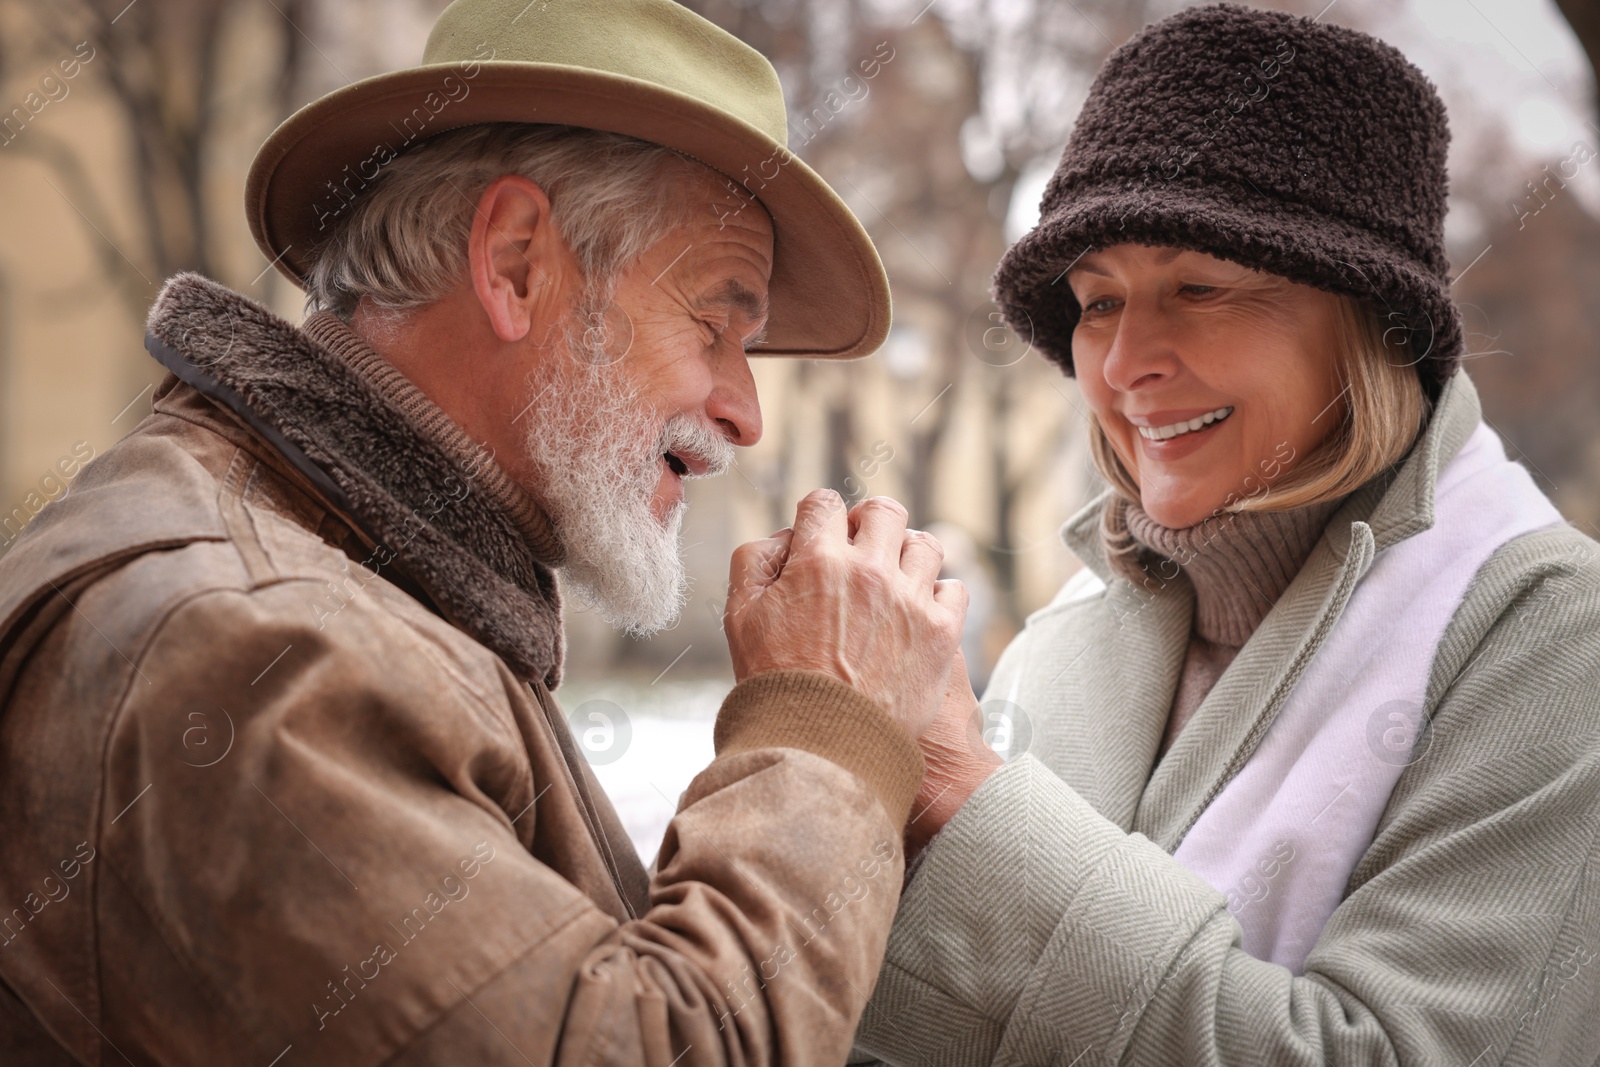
<point>511,252</point>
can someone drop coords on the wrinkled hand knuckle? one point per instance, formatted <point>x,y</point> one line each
<point>872,579</point>
<point>825,500</point>
<point>818,568</point>
<point>836,570</point>
<point>926,540</point>
<point>888,504</point>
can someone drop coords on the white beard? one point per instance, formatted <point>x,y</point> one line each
<point>596,449</point>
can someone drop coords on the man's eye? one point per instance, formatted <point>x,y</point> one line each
<point>1199,290</point>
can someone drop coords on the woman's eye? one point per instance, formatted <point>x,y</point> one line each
<point>1099,307</point>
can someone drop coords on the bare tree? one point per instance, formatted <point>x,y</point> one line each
<point>160,64</point>
<point>887,104</point>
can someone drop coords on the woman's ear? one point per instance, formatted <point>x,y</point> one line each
<point>511,252</point>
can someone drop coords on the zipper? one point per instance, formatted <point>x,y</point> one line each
<point>579,784</point>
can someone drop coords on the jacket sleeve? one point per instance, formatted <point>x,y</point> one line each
<point>363,875</point>
<point>1036,930</point>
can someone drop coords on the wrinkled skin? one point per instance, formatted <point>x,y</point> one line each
<point>853,595</point>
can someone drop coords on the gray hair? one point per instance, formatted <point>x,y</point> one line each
<point>404,243</point>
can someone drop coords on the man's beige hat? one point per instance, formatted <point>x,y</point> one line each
<point>649,69</point>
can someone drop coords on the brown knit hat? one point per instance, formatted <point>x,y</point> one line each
<point>1308,151</point>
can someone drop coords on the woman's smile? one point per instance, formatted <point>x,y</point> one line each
<point>1166,436</point>
<point>1163,424</point>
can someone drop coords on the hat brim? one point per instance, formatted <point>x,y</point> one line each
<point>1276,236</point>
<point>829,295</point>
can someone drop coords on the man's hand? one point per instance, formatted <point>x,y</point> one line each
<point>958,760</point>
<point>853,595</point>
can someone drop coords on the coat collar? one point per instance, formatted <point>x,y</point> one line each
<point>379,453</point>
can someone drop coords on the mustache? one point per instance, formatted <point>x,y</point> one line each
<point>684,436</point>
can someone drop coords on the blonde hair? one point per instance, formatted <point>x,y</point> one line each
<point>1384,410</point>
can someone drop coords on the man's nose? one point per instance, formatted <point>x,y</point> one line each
<point>733,402</point>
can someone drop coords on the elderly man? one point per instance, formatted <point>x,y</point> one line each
<point>281,775</point>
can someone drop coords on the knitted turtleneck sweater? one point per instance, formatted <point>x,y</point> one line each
<point>1238,566</point>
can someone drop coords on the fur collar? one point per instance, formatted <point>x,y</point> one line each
<point>382,455</point>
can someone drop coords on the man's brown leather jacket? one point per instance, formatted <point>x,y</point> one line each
<point>282,780</point>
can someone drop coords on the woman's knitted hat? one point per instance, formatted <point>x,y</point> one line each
<point>1308,151</point>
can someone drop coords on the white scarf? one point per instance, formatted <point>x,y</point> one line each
<point>1283,837</point>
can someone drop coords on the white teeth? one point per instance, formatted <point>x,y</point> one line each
<point>1177,429</point>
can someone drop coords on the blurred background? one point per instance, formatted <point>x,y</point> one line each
<point>131,167</point>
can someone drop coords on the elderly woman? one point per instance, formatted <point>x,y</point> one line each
<point>1312,767</point>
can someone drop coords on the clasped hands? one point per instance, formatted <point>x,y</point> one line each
<point>852,593</point>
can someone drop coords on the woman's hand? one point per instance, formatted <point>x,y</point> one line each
<point>958,760</point>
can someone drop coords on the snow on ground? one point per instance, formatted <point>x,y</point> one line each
<point>645,743</point>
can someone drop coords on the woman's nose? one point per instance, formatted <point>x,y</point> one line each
<point>1142,352</point>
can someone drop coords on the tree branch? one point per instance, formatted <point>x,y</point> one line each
<point>131,282</point>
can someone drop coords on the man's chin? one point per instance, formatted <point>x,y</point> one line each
<point>635,585</point>
<point>644,628</point>
<point>637,612</point>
